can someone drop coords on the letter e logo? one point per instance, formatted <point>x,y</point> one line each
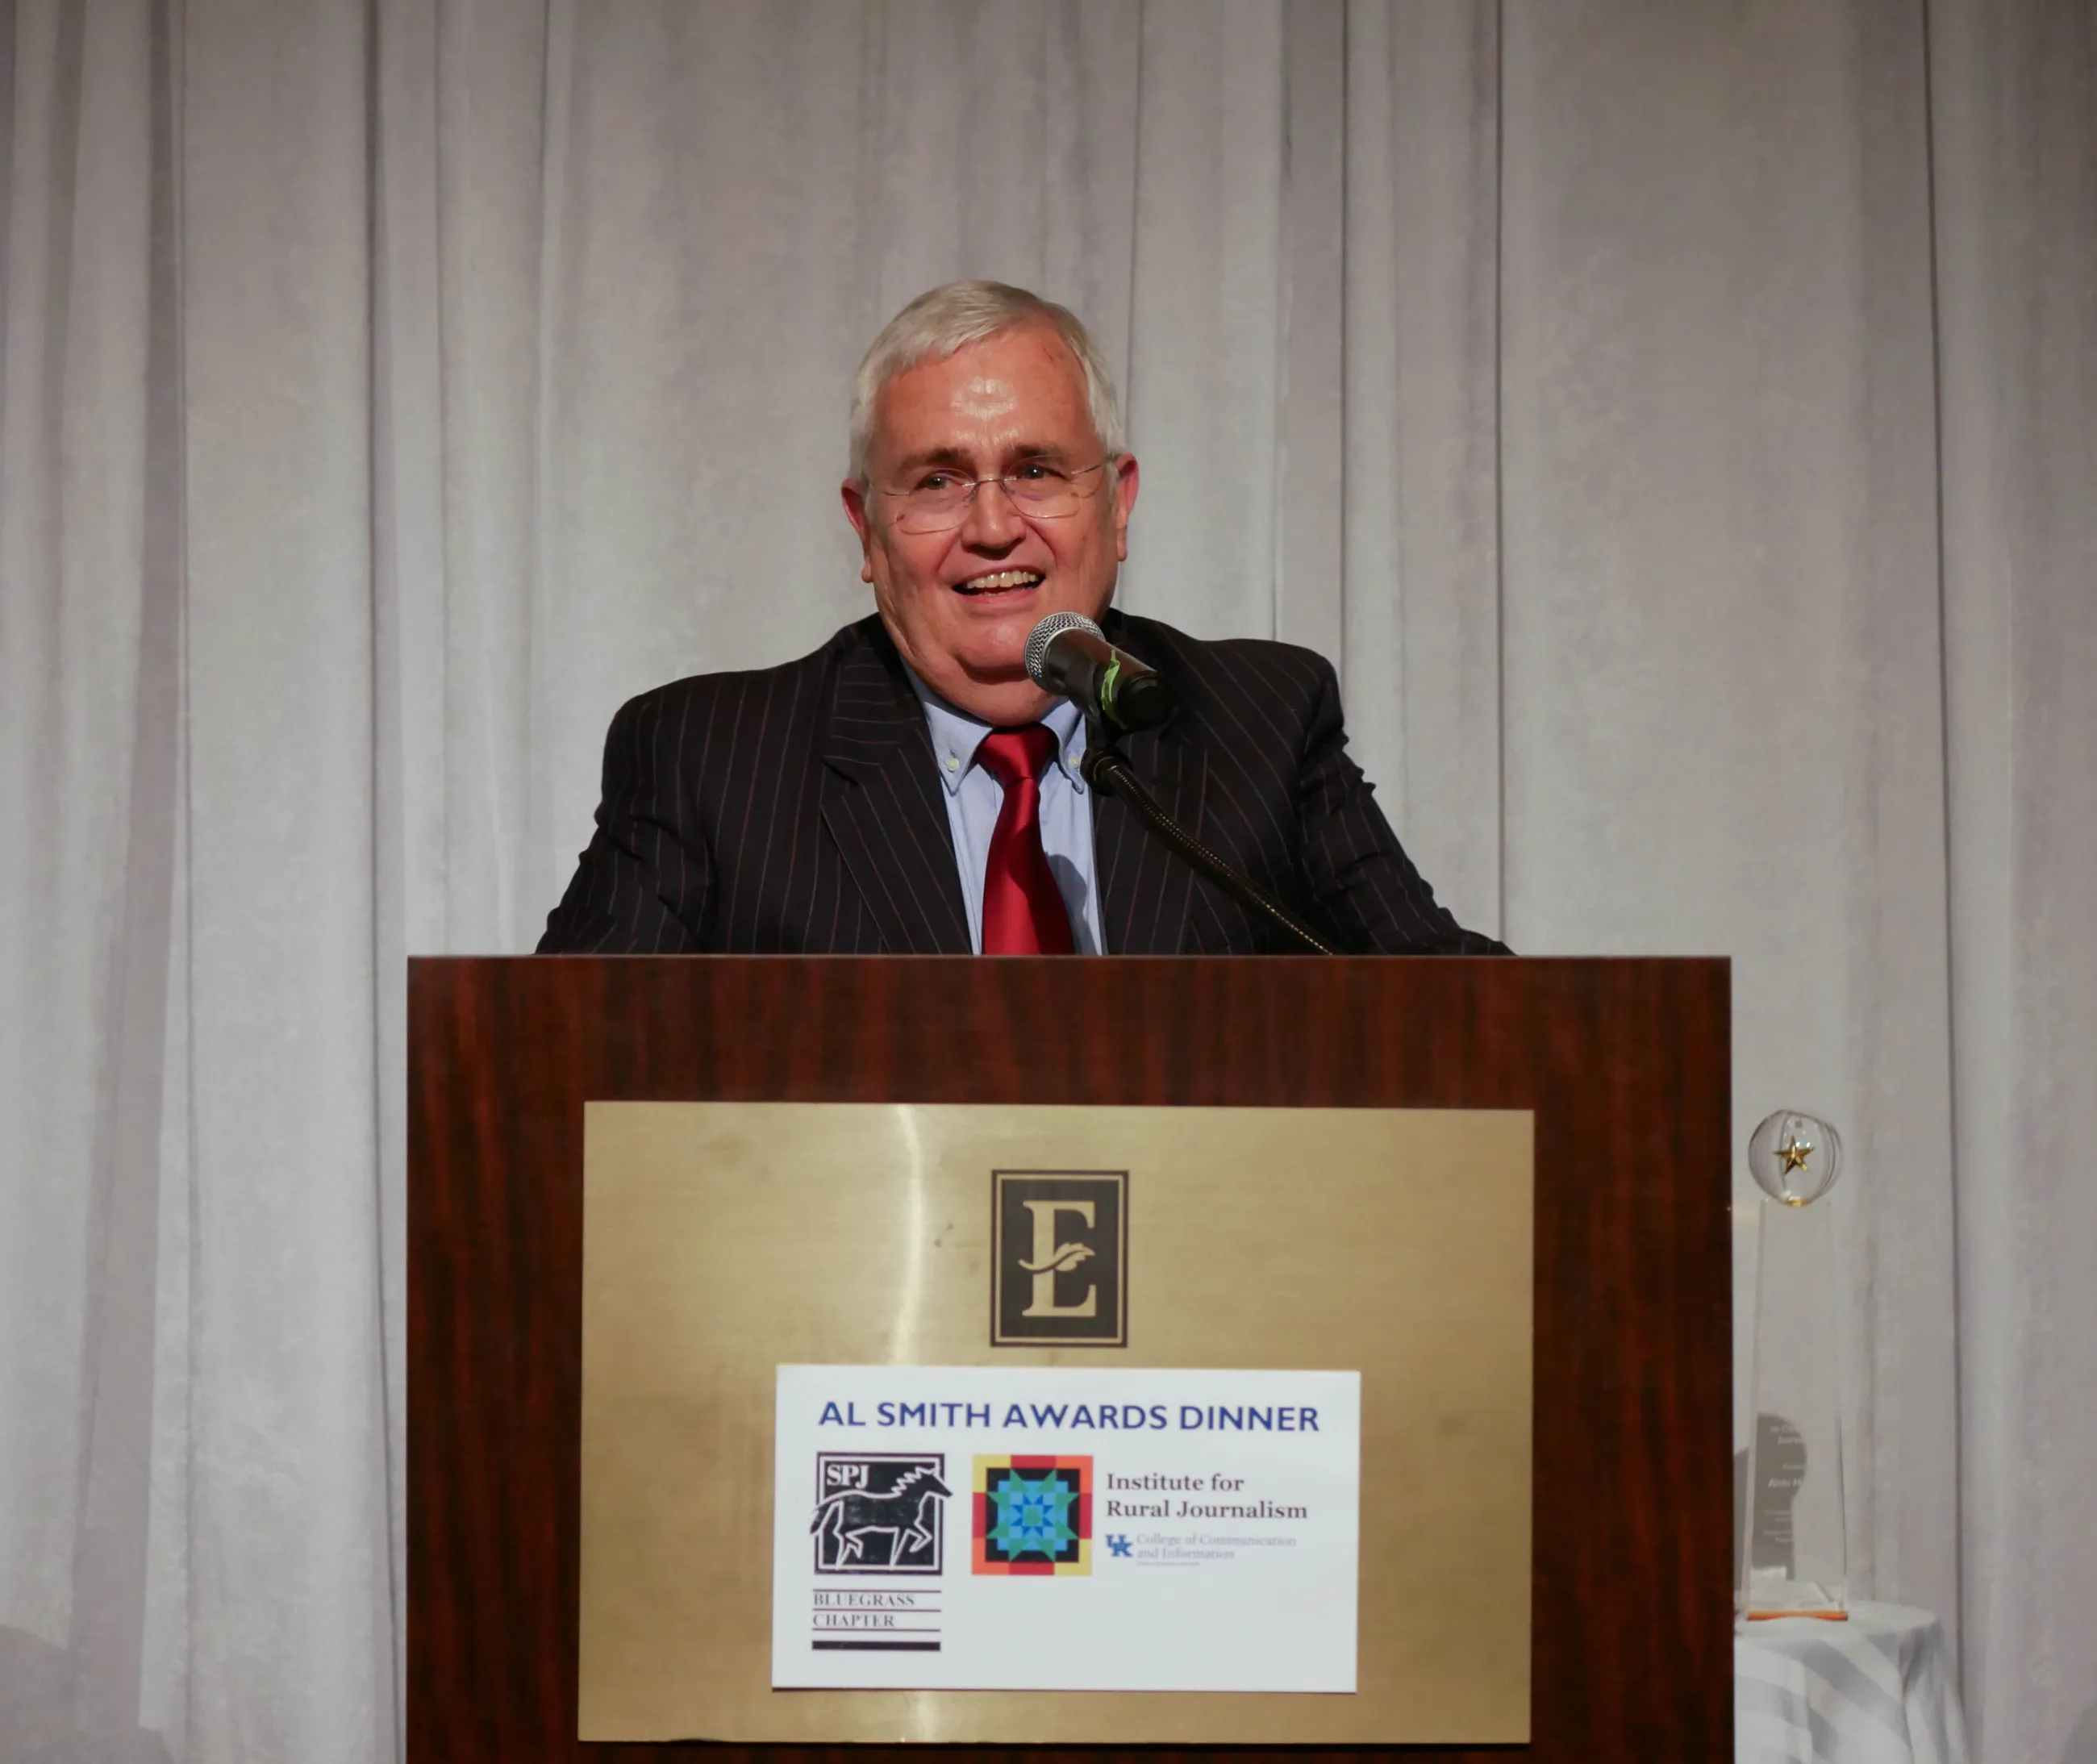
<point>1059,1262</point>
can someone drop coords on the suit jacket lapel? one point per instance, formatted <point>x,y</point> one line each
<point>1146,893</point>
<point>881,801</point>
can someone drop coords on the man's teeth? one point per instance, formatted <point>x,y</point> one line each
<point>987,585</point>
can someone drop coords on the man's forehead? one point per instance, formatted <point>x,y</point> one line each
<point>985,397</point>
<point>1025,376</point>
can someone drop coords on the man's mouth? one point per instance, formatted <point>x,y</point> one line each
<point>999,582</point>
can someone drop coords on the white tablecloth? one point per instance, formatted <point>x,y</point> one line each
<point>1875,1690</point>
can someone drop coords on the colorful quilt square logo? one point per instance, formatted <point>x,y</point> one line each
<point>1033,1515</point>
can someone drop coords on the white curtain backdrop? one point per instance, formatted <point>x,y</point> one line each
<point>1678,420</point>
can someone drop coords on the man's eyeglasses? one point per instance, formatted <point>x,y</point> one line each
<point>938,500</point>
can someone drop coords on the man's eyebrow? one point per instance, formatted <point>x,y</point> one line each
<point>934,456</point>
<point>1017,454</point>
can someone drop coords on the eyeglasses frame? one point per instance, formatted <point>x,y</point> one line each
<point>1004,480</point>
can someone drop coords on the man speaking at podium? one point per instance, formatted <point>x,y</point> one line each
<point>910,789</point>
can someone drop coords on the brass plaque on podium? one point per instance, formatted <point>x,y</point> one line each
<point>722,1240</point>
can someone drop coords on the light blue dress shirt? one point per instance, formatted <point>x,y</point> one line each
<point>975,796</point>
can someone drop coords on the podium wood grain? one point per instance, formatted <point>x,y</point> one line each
<point>1625,1063</point>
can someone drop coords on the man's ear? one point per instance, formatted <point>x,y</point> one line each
<point>1126,477</point>
<point>854,494</point>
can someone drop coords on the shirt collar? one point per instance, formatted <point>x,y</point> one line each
<point>956,735</point>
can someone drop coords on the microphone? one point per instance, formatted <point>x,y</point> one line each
<point>1068,654</point>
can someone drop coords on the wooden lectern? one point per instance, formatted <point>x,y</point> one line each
<point>1624,1065</point>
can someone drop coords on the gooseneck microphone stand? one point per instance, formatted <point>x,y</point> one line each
<point>1107,770</point>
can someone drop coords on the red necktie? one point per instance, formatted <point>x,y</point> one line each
<point>1022,909</point>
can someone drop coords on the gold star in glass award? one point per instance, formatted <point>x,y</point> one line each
<point>1796,1559</point>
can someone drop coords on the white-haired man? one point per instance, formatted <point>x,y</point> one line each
<point>908,788</point>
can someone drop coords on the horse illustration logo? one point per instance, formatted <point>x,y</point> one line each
<point>879,1514</point>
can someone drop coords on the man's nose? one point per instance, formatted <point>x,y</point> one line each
<point>992,522</point>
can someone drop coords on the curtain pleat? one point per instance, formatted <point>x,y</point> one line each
<point>2015,153</point>
<point>85,788</point>
<point>1720,648</point>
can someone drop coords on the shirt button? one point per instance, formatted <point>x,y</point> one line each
<point>952,763</point>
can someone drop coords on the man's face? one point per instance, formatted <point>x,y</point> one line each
<point>960,603</point>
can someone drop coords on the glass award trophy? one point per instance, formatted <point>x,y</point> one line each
<point>1794,1555</point>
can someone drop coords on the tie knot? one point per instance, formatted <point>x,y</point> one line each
<point>1010,755</point>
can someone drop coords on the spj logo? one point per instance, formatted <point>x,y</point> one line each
<point>1033,1515</point>
<point>879,1514</point>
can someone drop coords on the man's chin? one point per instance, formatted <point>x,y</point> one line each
<point>990,637</point>
<point>991,659</point>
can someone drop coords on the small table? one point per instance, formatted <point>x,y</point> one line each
<point>1876,1689</point>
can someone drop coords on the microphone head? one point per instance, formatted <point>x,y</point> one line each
<point>1044,633</point>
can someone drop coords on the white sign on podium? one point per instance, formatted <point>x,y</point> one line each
<point>1050,1528</point>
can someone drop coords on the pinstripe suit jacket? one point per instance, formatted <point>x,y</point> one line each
<point>798,810</point>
